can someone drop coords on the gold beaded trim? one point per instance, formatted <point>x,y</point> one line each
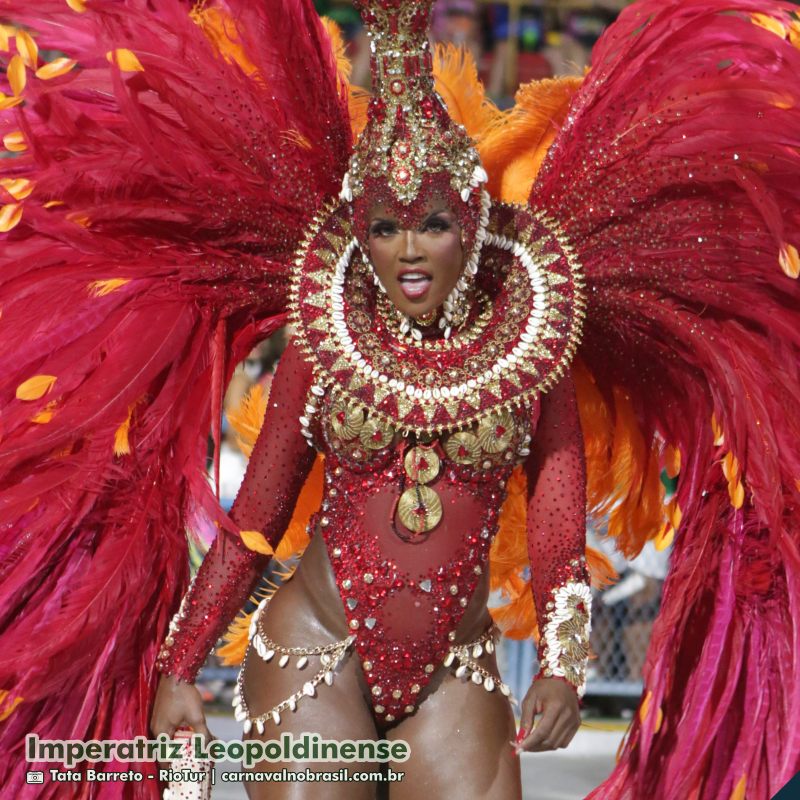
<point>468,668</point>
<point>565,652</point>
<point>460,339</point>
<point>333,654</point>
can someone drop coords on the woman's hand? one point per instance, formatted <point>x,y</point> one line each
<point>557,702</point>
<point>178,704</point>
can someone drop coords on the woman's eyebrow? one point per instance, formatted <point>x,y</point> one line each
<point>437,213</point>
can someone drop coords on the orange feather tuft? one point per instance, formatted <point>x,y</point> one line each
<point>623,472</point>
<point>221,31</point>
<point>456,80</point>
<point>513,148</point>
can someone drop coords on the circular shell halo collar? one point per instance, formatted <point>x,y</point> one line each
<point>535,302</point>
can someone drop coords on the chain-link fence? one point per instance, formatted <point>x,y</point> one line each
<point>622,619</point>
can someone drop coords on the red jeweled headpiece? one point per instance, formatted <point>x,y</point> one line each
<point>410,146</point>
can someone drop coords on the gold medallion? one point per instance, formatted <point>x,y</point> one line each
<point>462,447</point>
<point>346,419</point>
<point>496,432</point>
<point>375,434</point>
<point>420,508</point>
<point>422,464</point>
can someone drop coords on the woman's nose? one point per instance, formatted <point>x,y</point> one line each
<point>409,249</point>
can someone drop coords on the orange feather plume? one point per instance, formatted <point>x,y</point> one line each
<point>513,148</point>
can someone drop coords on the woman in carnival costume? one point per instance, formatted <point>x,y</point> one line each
<point>187,183</point>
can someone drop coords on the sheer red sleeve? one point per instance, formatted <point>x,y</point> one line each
<point>278,466</point>
<point>556,470</point>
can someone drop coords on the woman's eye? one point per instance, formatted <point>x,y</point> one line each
<point>382,230</point>
<point>436,225</point>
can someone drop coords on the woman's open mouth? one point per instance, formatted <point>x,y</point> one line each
<point>415,284</point>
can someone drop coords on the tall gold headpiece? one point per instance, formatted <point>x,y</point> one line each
<point>410,145</point>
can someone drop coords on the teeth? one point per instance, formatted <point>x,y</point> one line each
<point>414,276</point>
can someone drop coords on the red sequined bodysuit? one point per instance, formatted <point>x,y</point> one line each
<point>404,587</point>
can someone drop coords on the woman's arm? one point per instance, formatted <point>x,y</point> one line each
<point>278,466</point>
<point>556,471</point>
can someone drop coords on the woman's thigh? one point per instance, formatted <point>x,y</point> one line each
<point>459,744</point>
<point>337,712</point>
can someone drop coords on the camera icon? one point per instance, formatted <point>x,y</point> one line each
<point>34,777</point>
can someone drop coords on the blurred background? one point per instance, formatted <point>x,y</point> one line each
<point>513,42</point>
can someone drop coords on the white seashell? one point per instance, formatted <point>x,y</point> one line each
<point>476,678</point>
<point>461,671</point>
<point>490,646</point>
<point>505,690</point>
<point>449,659</point>
<point>276,717</point>
<point>292,704</point>
<point>283,660</point>
<point>302,661</point>
<point>248,725</point>
<point>329,678</point>
<point>308,689</point>
<point>240,715</point>
<point>260,725</point>
<point>477,651</point>
<point>465,194</point>
<point>488,684</point>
